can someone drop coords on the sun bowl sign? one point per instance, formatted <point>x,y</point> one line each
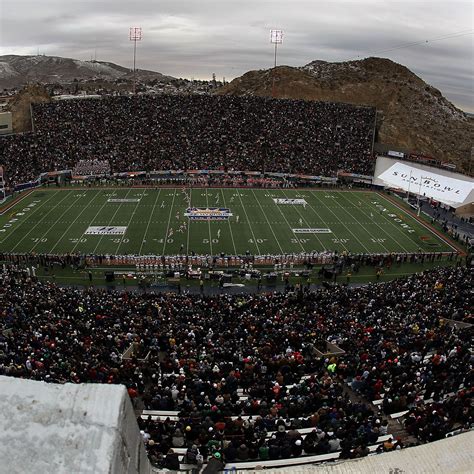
<point>427,183</point>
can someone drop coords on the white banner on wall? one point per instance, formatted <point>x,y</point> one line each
<point>426,183</point>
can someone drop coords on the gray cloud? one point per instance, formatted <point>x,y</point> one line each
<point>194,38</point>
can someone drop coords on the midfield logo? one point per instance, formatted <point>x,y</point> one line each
<point>208,213</point>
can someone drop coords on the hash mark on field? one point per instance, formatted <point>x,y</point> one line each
<point>339,220</point>
<point>209,223</point>
<point>307,224</point>
<point>39,222</point>
<point>228,221</point>
<point>271,228</point>
<point>71,224</point>
<point>149,220</point>
<point>129,222</point>
<point>26,219</point>
<point>248,222</point>
<point>169,220</point>
<point>67,208</point>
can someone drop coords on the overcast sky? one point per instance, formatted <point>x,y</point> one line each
<point>194,38</point>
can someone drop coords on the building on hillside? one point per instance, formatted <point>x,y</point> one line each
<point>6,124</point>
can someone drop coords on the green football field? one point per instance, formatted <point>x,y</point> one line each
<point>148,221</point>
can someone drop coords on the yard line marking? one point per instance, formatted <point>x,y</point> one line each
<point>323,221</point>
<point>209,223</point>
<point>228,221</point>
<point>189,221</point>
<point>339,220</point>
<point>35,209</point>
<point>93,219</point>
<point>416,220</point>
<point>73,222</point>
<point>149,220</point>
<point>248,222</point>
<point>307,223</point>
<point>40,221</point>
<point>130,221</point>
<point>169,220</point>
<point>111,220</point>
<point>291,229</point>
<point>374,222</point>
<point>268,222</point>
<point>53,224</point>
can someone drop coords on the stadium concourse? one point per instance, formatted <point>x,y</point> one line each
<point>200,366</point>
<point>170,132</point>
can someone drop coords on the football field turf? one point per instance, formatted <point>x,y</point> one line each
<point>149,221</point>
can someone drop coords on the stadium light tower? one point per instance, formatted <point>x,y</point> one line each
<point>276,38</point>
<point>135,35</point>
<point>419,193</point>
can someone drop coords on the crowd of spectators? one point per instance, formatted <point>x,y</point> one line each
<point>164,132</point>
<point>91,168</point>
<point>198,354</point>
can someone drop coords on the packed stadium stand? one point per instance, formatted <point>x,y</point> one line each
<point>225,381</point>
<point>200,366</point>
<point>148,133</point>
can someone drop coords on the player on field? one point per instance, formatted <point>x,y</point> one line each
<point>218,233</point>
<point>237,219</point>
<point>300,222</point>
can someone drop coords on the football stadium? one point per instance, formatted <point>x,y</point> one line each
<point>210,282</point>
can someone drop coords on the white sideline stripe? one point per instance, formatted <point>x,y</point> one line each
<point>39,222</point>
<point>36,208</point>
<point>440,237</point>
<point>14,204</point>
<point>398,228</point>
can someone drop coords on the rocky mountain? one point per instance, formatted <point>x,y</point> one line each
<point>20,106</point>
<point>16,71</point>
<point>412,115</point>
